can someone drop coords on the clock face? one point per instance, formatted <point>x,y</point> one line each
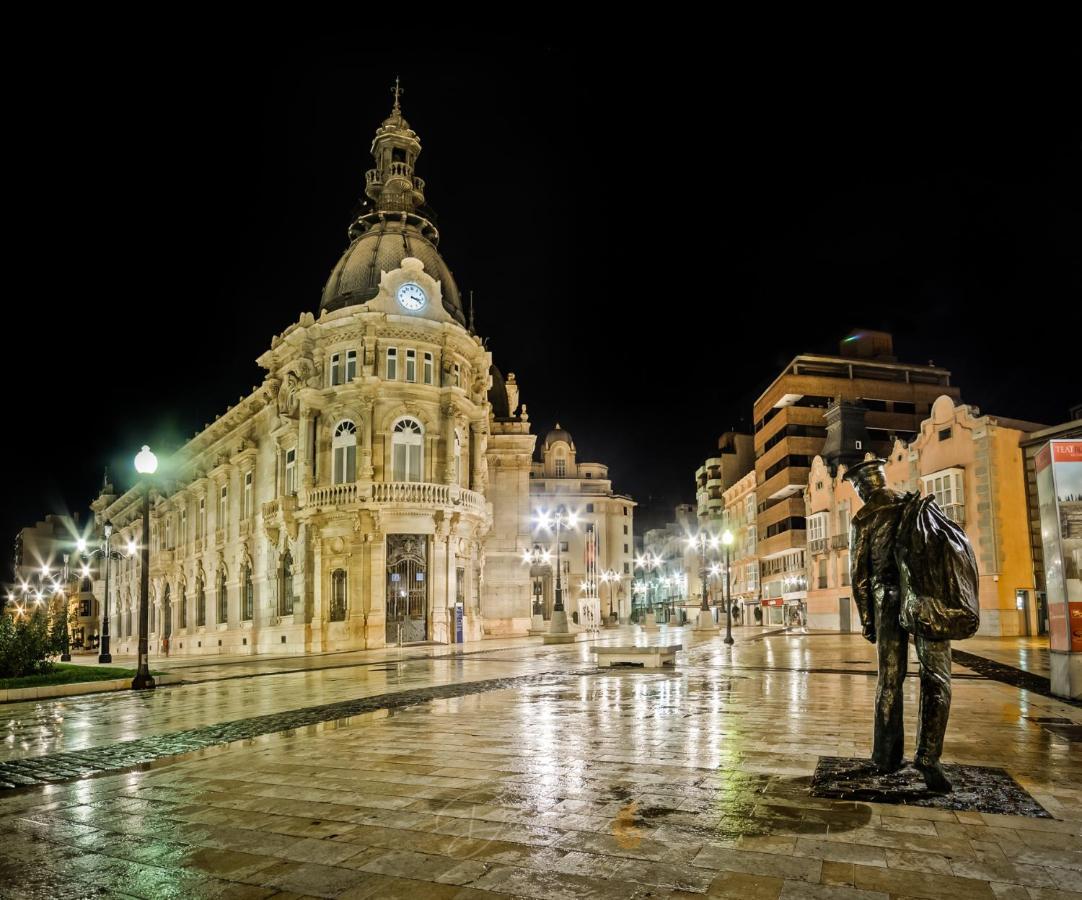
<point>411,296</point>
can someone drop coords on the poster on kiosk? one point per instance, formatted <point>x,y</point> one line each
<point>1059,493</point>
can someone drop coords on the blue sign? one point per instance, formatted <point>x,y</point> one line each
<point>458,623</point>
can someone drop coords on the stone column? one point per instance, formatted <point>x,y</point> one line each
<point>375,627</point>
<point>316,577</point>
<point>304,446</point>
<point>366,470</point>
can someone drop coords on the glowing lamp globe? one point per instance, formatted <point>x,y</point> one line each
<point>146,463</point>
<point>727,538</point>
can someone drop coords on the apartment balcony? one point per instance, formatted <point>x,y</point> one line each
<point>388,493</point>
<point>790,480</point>
<point>793,539</point>
<point>839,542</point>
<point>819,546</point>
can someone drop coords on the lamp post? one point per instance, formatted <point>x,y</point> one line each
<point>107,555</point>
<point>706,617</point>
<point>649,562</point>
<point>559,631</point>
<point>610,577</point>
<point>533,559</point>
<point>146,464</point>
<point>727,540</point>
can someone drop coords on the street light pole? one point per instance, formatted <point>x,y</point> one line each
<point>706,616</point>
<point>146,464</point>
<point>107,556</point>
<point>727,540</point>
<point>559,631</point>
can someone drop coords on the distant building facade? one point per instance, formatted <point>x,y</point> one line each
<point>791,430</point>
<point>973,465</point>
<point>606,520</point>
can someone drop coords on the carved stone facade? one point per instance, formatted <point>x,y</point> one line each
<point>377,479</point>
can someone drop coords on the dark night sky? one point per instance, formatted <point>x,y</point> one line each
<point>650,234</point>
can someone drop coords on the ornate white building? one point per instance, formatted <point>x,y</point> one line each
<point>376,480</point>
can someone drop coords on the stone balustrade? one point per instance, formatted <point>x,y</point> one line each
<point>411,493</point>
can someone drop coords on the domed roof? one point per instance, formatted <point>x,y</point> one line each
<point>559,434</point>
<point>355,279</point>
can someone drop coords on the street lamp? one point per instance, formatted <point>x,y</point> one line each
<point>700,542</point>
<point>727,540</point>
<point>610,577</point>
<point>559,632</point>
<point>146,464</point>
<point>108,555</point>
<point>650,562</point>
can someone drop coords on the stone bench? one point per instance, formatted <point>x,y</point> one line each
<point>639,657</point>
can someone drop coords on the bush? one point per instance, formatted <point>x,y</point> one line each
<point>25,645</point>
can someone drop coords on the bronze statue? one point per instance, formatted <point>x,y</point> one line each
<point>913,572</point>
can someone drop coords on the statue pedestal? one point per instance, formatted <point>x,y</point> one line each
<point>559,632</point>
<point>706,623</point>
<point>650,623</point>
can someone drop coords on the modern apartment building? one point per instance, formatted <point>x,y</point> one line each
<point>791,427</point>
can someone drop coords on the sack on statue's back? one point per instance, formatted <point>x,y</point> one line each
<point>938,572</point>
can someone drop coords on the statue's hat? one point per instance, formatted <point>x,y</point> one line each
<point>867,472</point>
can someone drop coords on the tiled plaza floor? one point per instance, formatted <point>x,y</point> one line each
<point>682,784</point>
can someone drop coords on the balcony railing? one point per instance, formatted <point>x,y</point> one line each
<point>839,542</point>
<point>419,493</point>
<point>819,545</point>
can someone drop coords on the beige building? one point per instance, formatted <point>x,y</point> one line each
<point>672,587</point>
<point>605,521</point>
<point>791,427</point>
<point>973,465</point>
<point>374,489</point>
<point>741,519</point>
<point>736,457</point>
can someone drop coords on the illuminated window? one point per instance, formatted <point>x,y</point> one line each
<point>407,444</point>
<point>561,467</point>
<point>291,472</point>
<point>345,452</point>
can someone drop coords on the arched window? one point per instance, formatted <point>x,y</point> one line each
<point>561,466</point>
<point>200,603</point>
<point>248,597</point>
<point>338,595</point>
<point>285,586</point>
<point>458,459</point>
<point>407,443</point>
<point>183,605</point>
<point>345,452</point>
<point>223,598</point>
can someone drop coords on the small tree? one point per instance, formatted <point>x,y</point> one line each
<point>25,644</point>
<point>59,628</point>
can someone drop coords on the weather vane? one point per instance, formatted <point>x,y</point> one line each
<point>396,90</point>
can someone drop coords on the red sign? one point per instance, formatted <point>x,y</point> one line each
<point>776,601</point>
<point>1067,451</point>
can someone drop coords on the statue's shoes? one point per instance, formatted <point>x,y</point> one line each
<point>888,768</point>
<point>935,779</point>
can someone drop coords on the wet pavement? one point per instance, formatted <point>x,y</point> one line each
<point>573,783</point>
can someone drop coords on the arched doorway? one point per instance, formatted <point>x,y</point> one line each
<point>407,588</point>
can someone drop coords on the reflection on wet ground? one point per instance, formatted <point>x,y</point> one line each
<point>631,784</point>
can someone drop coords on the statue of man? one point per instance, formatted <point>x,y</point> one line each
<point>877,592</point>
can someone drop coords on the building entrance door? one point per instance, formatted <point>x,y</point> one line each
<point>407,588</point>
<point>167,614</point>
<point>844,624</point>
